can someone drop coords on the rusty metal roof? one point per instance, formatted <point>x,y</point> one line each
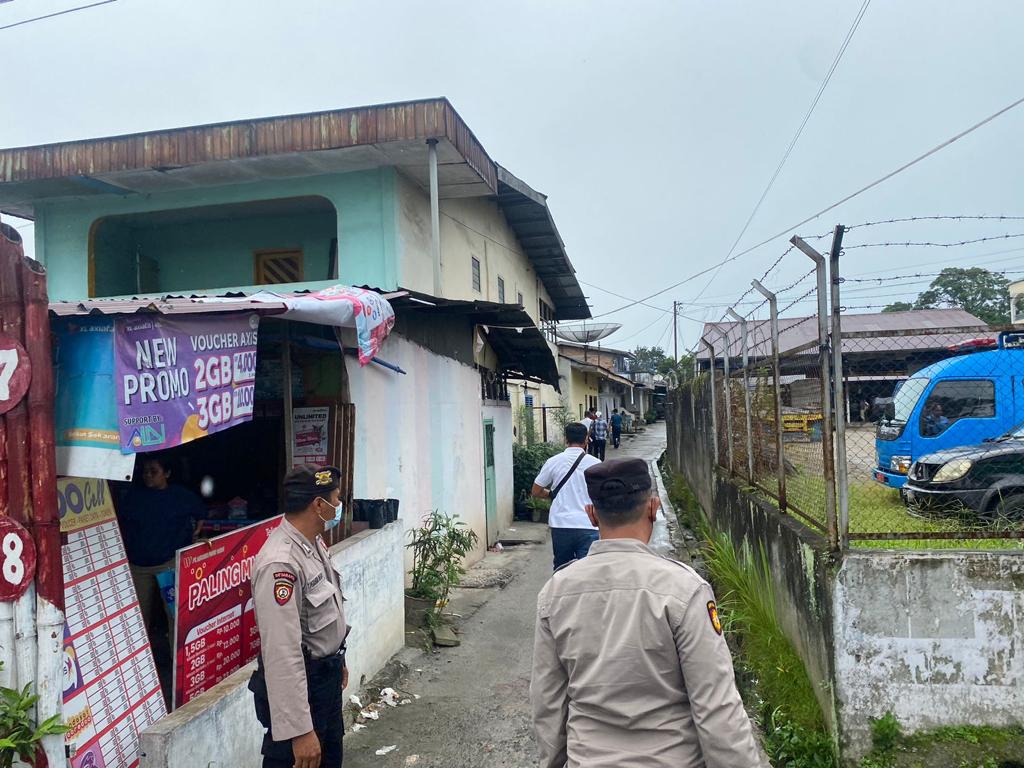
<point>121,164</point>
<point>527,212</point>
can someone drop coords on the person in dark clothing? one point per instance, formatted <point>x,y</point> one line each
<point>156,520</point>
<point>616,424</point>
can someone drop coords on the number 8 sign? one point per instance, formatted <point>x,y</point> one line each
<point>15,373</point>
<point>17,559</point>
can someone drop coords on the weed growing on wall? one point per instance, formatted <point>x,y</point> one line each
<point>965,746</point>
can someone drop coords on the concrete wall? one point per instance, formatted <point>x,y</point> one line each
<point>577,386</point>
<point>218,729</point>
<point>501,412</point>
<point>934,637</point>
<point>365,202</point>
<point>420,435</point>
<point>470,227</point>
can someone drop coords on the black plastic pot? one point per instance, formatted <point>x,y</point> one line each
<point>359,510</point>
<point>392,506</point>
<point>376,512</point>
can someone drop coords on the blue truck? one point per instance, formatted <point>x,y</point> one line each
<point>959,401</point>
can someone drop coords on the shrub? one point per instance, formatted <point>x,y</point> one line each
<point>526,463</point>
<point>438,547</point>
<point>19,736</point>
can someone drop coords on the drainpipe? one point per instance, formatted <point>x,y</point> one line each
<point>435,216</point>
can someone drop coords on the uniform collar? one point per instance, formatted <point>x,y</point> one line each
<point>297,536</point>
<point>620,545</point>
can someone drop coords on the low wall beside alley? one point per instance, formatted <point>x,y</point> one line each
<point>218,729</point>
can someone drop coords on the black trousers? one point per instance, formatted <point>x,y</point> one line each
<point>616,436</point>
<point>597,448</point>
<point>323,683</point>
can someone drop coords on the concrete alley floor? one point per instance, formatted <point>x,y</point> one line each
<point>473,709</point>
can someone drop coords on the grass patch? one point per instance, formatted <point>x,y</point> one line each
<point>877,509</point>
<point>966,746</point>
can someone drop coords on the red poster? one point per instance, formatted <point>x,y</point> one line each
<point>215,630</point>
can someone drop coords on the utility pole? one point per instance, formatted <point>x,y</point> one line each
<point>675,334</point>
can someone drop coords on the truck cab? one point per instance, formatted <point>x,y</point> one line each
<point>960,401</point>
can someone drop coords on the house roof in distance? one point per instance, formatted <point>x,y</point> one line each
<point>290,146</point>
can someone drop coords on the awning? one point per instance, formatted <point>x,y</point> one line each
<point>599,371</point>
<point>519,344</point>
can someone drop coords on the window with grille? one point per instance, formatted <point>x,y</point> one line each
<point>547,320</point>
<point>476,273</point>
<point>501,290</point>
<point>273,267</point>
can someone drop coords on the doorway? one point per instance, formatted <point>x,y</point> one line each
<point>490,484</point>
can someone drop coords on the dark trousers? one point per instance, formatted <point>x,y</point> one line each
<point>570,544</point>
<point>616,436</point>
<point>323,683</point>
<point>597,448</point>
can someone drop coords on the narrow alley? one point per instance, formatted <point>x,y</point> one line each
<point>473,708</point>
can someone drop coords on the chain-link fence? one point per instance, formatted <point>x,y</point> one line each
<point>908,433</point>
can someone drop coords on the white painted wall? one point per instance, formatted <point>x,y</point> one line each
<point>469,227</point>
<point>502,415</point>
<point>419,436</point>
<point>934,637</point>
<point>218,729</point>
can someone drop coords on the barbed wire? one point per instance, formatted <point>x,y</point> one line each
<point>929,244</point>
<point>958,217</point>
<point>905,277</point>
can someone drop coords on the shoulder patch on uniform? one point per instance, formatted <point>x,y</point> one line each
<point>284,586</point>
<point>716,623</point>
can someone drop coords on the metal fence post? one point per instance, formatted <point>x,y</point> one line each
<point>827,455</point>
<point>780,455</point>
<point>746,389</point>
<point>842,468</point>
<point>728,395</point>
<point>714,406</point>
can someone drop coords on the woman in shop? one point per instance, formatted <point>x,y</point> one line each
<point>156,520</point>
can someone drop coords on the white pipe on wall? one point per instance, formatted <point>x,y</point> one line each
<point>8,674</point>
<point>25,637</point>
<point>50,674</point>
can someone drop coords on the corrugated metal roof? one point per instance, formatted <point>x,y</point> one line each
<point>797,332</point>
<point>528,214</point>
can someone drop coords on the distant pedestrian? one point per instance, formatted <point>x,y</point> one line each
<point>865,407</point>
<point>599,431</point>
<point>616,422</point>
<point>588,419</point>
<point>561,480</point>
<point>629,664</point>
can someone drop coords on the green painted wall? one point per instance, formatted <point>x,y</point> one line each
<point>366,228</point>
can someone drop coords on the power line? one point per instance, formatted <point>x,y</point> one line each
<point>634,335</point>
<point>57,13</point>
<point>823,211</point>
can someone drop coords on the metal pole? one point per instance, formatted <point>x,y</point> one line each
<point>746,389</point>
<point>714,407</point>
<point>728,396</point>
<point>842,469</point>
<point>286,395</point>
<point>780,456</point>
<point>824,362</point>
<point>675,334</point>
<point>435,215</point>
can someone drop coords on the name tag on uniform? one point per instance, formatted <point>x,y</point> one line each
<point>315,581</point>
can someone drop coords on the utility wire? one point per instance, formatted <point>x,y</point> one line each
<point>57,13</point>
<point>823,211</point>
<point>792,142</point>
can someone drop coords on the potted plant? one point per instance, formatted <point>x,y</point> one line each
<point>539,509</point>
<point>438,548</point>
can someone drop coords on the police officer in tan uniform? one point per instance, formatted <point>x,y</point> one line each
<point>298,684</point>
<point>630,667</point>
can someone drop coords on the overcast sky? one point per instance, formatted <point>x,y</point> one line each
<point>653,127</point>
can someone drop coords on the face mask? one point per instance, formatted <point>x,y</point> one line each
<point>333,522</point>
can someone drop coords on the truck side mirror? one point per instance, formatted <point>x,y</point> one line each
<point>890,411</point>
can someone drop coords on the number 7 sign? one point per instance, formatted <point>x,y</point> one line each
<point>15,373</point>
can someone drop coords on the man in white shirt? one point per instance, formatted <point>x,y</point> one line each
<point>561,479</point>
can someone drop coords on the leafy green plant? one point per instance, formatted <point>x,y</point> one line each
<point>19,736</point>
<point>527,425</point>
<point>563,415</point>
<point>438,548</point>
<point>526,463</point>
<point>885,732</point>
<point>539,508</point>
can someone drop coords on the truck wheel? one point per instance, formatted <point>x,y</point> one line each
<point>1011,508</point>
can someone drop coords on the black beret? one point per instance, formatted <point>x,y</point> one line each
<point>312,481</point>
<point>616,477</point>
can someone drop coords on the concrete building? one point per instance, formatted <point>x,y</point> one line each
<point>400,198</point>
<point>601,378</point>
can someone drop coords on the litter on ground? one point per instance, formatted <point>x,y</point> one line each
<point>386,750</point>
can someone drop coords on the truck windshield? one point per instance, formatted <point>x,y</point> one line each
<point>906,398</point>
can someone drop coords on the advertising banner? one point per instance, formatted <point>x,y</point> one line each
<point>215,630</point>
<point>310,429</point>
<point>181,378</point>
<point>111,688</point>
<point>85,412</point>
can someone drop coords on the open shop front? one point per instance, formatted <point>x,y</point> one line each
<point>173,446</point>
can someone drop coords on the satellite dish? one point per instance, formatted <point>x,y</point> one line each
<point>586,333</point>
